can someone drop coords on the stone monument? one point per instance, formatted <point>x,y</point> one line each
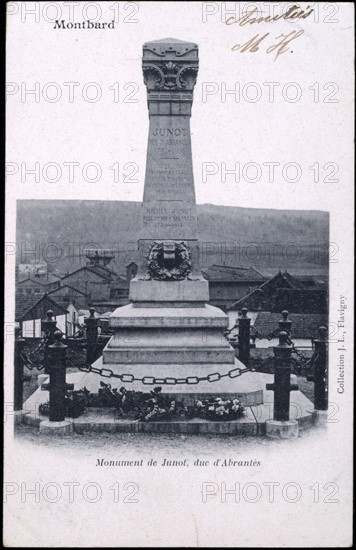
<point>169,335</point>
<point>168,331</point>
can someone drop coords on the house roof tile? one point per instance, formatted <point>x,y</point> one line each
<point>24,303</point>
<point>230,273</point>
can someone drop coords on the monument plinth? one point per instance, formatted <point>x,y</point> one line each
<point>168,330</point>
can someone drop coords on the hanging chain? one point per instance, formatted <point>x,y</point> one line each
<point>39,347</point>
<point>152,380</point>
<point>266,361</point>
<point>301,355</point>
<point>228,331</point>
<point>28,363</point>
<point>308,365</point>
<point>79,332</point>
<point>74,361</point>
<point>273,334</point>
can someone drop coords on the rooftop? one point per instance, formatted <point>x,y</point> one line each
<point>218,272</point>
<point>36,280</point>
<point>24,303</point>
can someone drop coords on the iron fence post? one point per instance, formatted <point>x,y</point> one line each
<point>321,371</point>
<point>285,325</point>
<point>281,425</point>
<point>91,324</point>
<point>244,337</point>
<point>20,377</point>
<point>48,326</point>
<point>57,386</point>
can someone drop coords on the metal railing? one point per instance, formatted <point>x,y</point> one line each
<point>52,356</point>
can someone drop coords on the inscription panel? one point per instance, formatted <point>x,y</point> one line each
<point>169,209</point>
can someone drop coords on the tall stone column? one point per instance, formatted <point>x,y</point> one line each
<point>170,68</point>
<point>168,243</point>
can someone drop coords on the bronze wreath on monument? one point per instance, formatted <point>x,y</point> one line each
<point>169,261</point>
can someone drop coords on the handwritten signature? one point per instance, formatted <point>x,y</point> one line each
<point>253,44</point>
<point>250,17</point>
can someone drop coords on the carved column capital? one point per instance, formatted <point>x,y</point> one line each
<point>170,69</point>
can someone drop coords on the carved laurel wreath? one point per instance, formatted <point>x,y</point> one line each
<point>157,269</point>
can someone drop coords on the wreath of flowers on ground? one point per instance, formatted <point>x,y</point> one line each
<point>216,408</point>
<point>178,272</point>
<point>147,407</point>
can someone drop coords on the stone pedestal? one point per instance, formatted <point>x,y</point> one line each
<point>169,336</point>
<point>165,293</point>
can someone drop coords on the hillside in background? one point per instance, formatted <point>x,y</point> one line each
<point>60,230</point>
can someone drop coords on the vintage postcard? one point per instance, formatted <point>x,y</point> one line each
<point>179,274</point>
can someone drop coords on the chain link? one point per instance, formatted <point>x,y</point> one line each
<point>74,361</point>
<point>266,361</point>
<point>79,332</point>
<point>297,351</point>
<point>229,331</point>
<point>152,380</point>
<point>39,347</point>
<point>28,363</point>
<point>29,357</point>
<point>308,365</point>
<point>26,360</point>
<point>273,334</point>
<point>42,344</point>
